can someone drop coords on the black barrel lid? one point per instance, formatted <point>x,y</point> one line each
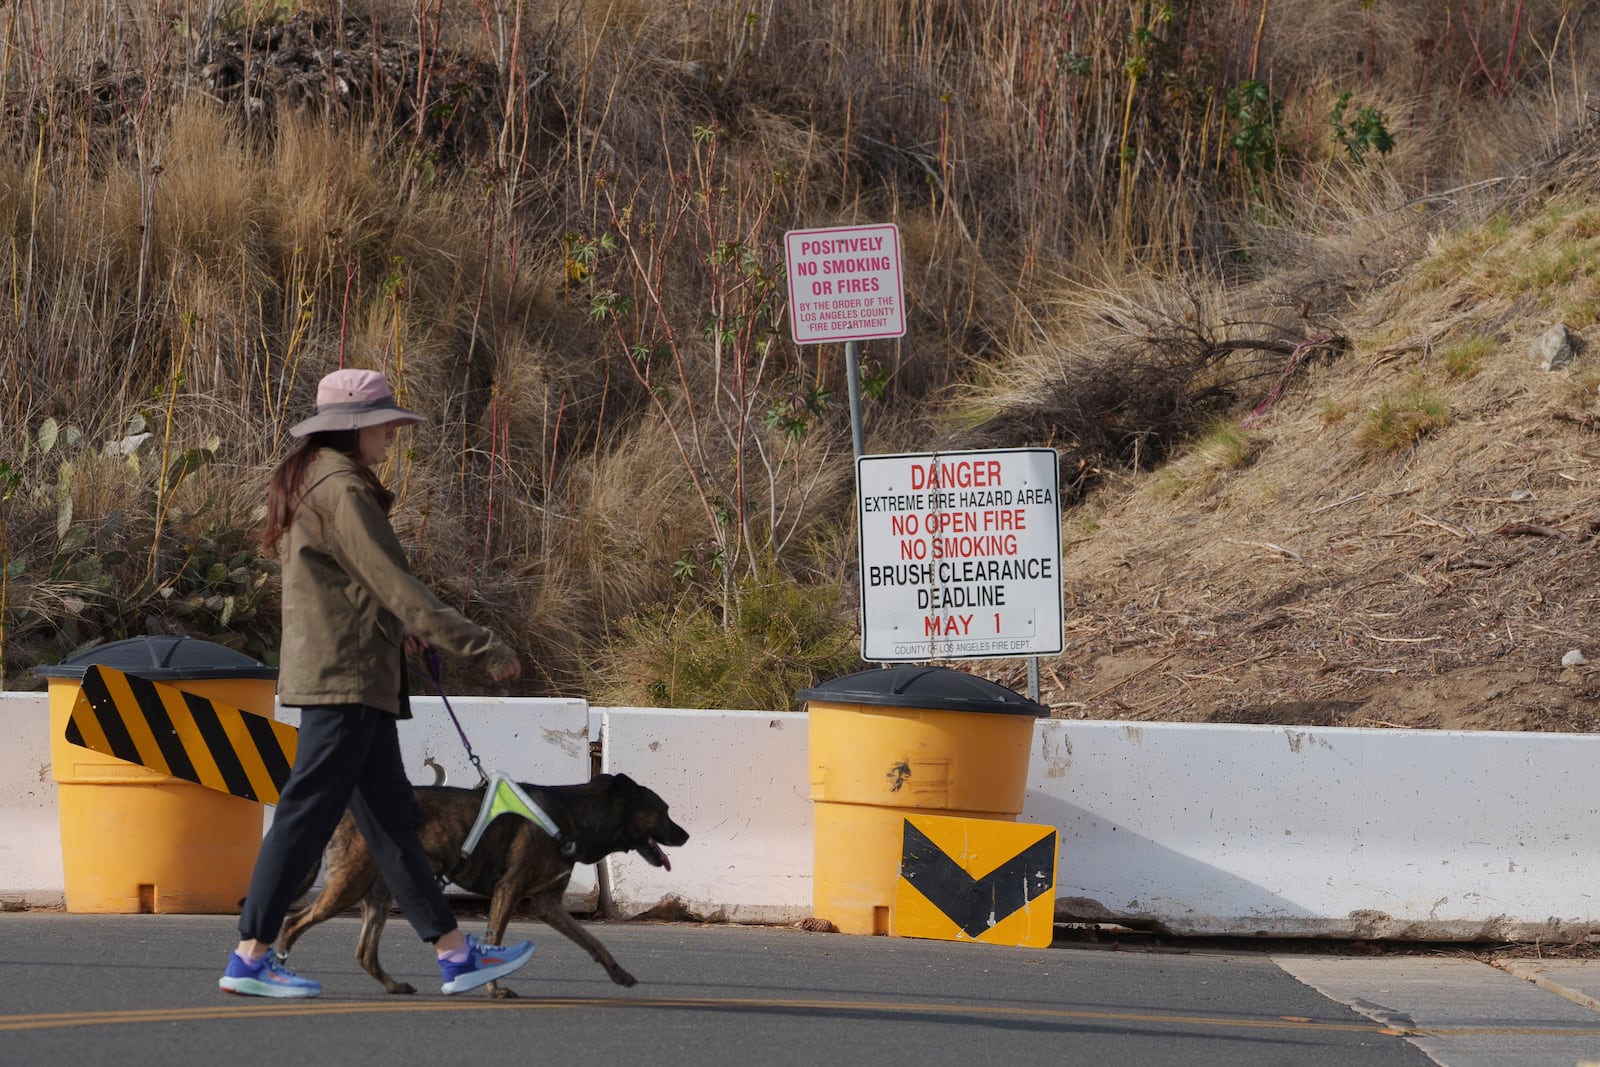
<point>918,686</point>
<point>162,656</point>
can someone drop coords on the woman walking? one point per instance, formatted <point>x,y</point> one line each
<point>351,610</point>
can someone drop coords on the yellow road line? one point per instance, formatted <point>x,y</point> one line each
<point>265,1008</point>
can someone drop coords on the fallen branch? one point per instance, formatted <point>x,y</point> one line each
<point>1277,618</point>
<point>1331,667</point>
<point>1119,684</point>
<point>1290,366</point>
<point>1339,503</point>
<point>1270,547</point>
<point>1528,529</point>
<point>1463,532</point>
<point>1584,419</point>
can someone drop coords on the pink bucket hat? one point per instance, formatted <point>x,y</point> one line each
<point>350,399</point>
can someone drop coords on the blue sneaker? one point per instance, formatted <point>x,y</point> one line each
<point>266,978</point>
<point>484,964</point>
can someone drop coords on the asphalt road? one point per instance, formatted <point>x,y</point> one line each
<point>129,991</point>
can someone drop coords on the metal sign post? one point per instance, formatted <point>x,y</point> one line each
<point>852,369</point>
<point>845,285</point>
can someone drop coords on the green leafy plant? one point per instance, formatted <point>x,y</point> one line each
<point>1256,116</point>
<point>796,411</point>
<point>72,576</point>
<point>221,580</point>
<point>1365,131</point>
<point>50,574</point>
<point>874,378</point>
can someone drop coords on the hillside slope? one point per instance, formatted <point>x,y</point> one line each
<point>1318,572</point>
<point>562,235</point>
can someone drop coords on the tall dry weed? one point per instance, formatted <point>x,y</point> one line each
<point>432,191</point>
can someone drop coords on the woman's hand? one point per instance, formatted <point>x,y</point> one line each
<point>414,645</point>
<point>509,671</point>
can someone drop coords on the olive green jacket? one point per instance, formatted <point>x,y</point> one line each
<point>349,598</point>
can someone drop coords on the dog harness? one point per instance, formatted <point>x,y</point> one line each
<point>502,796</point>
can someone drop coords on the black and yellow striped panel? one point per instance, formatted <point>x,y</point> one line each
<point>182,735</point>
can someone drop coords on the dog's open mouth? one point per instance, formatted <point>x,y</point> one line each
<point>652,852</point>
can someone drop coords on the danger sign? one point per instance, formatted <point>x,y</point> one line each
<point>960,555</point>
<point>844,284</point>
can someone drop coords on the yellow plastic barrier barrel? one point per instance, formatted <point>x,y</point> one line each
<point>134,840</point>
<point>907,739</point>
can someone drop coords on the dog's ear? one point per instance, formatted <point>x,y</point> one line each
<point>622,783</point>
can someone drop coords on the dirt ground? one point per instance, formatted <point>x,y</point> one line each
<point>1318,584</point>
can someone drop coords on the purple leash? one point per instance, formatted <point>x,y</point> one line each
<point>436,671</point>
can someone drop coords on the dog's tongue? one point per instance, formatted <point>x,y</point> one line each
<point>660,855</point>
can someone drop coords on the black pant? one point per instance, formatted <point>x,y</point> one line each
<point>348,756</point>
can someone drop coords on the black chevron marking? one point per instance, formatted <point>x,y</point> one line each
<point>976,904</point>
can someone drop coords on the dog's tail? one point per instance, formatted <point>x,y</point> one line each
<point>300,891</point>
<point>305,885</point>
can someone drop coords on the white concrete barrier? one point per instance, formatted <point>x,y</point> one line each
<point>1195,829</point>
<point>1395,834</point>
<point>30,837</point>
<point>737,781</point>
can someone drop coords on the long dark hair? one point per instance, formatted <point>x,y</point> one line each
<point>283,491</point>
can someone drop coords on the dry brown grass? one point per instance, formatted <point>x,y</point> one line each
<point>1070,203</point>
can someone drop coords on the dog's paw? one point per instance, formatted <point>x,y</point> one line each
<point>623,978</point>
<point>500,992</point>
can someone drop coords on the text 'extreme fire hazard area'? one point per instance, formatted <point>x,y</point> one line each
<point>960,555</point>
<point>844,284</point>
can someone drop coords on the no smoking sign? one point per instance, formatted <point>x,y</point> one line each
<point>845,284</point>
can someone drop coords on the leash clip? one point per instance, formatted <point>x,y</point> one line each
<point>436,672</point>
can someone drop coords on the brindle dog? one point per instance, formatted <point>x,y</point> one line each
<point>514,860</point>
